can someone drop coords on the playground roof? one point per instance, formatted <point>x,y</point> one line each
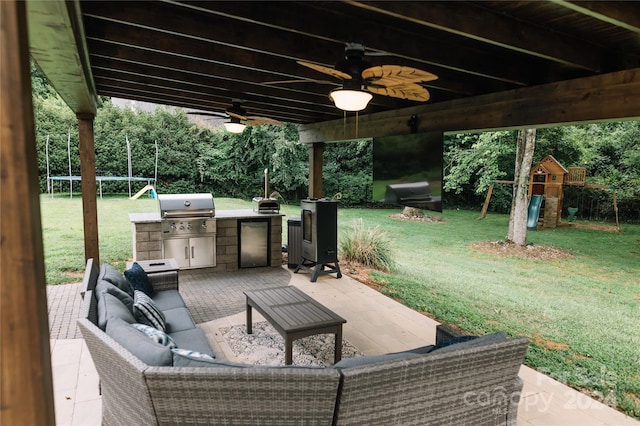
<point>551,165</point>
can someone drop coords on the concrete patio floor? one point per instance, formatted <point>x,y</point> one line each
<point>375,324</point>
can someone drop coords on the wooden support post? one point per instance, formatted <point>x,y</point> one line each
<point>483,213</point>
<point>615,209</point>
<point>88,172</point>
<point>315,169</point>
<point>26,395</point>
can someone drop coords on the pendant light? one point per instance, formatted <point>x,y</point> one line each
<point>350,99</point>
<point>234,125</point>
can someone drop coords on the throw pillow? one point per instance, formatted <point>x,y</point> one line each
<point>112,275</point>
<point>139,279</point>
<point>180,360</point>
<point>191,354</point>
<point>104,286</point>
<point>146,311</point>
<point>156,335</point>
<point>110,307</point>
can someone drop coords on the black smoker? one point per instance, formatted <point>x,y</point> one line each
<point>319,219</point>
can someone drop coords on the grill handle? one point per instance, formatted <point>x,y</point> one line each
<point>186,253</point>
<point>192,252</point>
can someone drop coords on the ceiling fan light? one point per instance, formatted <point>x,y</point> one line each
<point>350,100</point>
<point>234,127</point>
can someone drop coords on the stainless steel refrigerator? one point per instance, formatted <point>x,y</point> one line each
<point>254,243</point>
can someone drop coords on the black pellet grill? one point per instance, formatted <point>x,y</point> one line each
<point>319,220</point>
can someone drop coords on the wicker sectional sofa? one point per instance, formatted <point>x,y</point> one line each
<point>471,382</point>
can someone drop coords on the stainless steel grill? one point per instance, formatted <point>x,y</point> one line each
<point>174,206</point>
<point>188,229</point>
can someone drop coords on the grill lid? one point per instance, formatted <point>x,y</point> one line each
<point>186,205</point>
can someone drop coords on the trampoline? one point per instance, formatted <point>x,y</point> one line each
<point>99,180</point>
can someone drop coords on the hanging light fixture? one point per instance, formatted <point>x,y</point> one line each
<point>350,100</point>
<point>234,125</point>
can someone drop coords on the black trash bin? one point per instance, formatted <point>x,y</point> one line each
<point>294,242</point>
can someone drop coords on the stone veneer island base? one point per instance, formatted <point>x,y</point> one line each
<point>148,243</point>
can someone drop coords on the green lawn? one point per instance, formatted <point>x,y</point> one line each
<point>582,314</point>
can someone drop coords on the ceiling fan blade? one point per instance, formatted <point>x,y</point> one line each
<point>410,91</point>
<point>236,115</point>
<point>326,70</point>
<point>212,114</point>
<point>257,121</point>
<point>395,75</point>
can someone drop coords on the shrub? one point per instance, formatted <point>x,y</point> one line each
<point>367,246</point>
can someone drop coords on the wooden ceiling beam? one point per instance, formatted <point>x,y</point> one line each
<point>217,100</point>
<point>482,25</point>
<point>604,97</point>
<point>623,14</point>
<point>57,45</point>
<point>196,69</point>
<point>332,22</point>
<point>187,103</point>
<point>202,82</point>
<point>216,56</point>
<point>214,59</point>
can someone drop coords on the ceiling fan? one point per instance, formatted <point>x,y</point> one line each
<point>238,117</point>
<point>359,79</point>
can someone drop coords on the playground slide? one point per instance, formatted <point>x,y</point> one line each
<point>149,188</point>
<point>534,212</point>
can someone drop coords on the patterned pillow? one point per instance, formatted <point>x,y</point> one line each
<point>191,354</point>
<point>156,335</point>
<point>146,311</point>
<point>139,279</point>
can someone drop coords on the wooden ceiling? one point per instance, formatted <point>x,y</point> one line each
<point>202,54</point>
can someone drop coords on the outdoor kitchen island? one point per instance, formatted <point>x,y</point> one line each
<point>222,234</point>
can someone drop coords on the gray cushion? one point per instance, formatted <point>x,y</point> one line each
<point>178,319</point>
<point>181,360</point>
<point>110,307</point>
<point>359,361</point>
<point>112,275</point>
<point>104,286</point>
<point>421,349</point>
<point>483,340</point>
<point>141,346</point>
<point>168,299</point>
<point>193,339</point>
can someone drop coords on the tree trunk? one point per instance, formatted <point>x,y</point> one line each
<point>524,155</point>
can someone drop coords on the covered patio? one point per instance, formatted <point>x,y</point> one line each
<point>375,325</point>
<point>499,65</point>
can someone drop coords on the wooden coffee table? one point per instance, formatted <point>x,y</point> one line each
<point>295,315</point>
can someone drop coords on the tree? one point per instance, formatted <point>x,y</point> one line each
<point>524,156</point>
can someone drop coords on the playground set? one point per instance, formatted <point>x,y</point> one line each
<point>546,182</point>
